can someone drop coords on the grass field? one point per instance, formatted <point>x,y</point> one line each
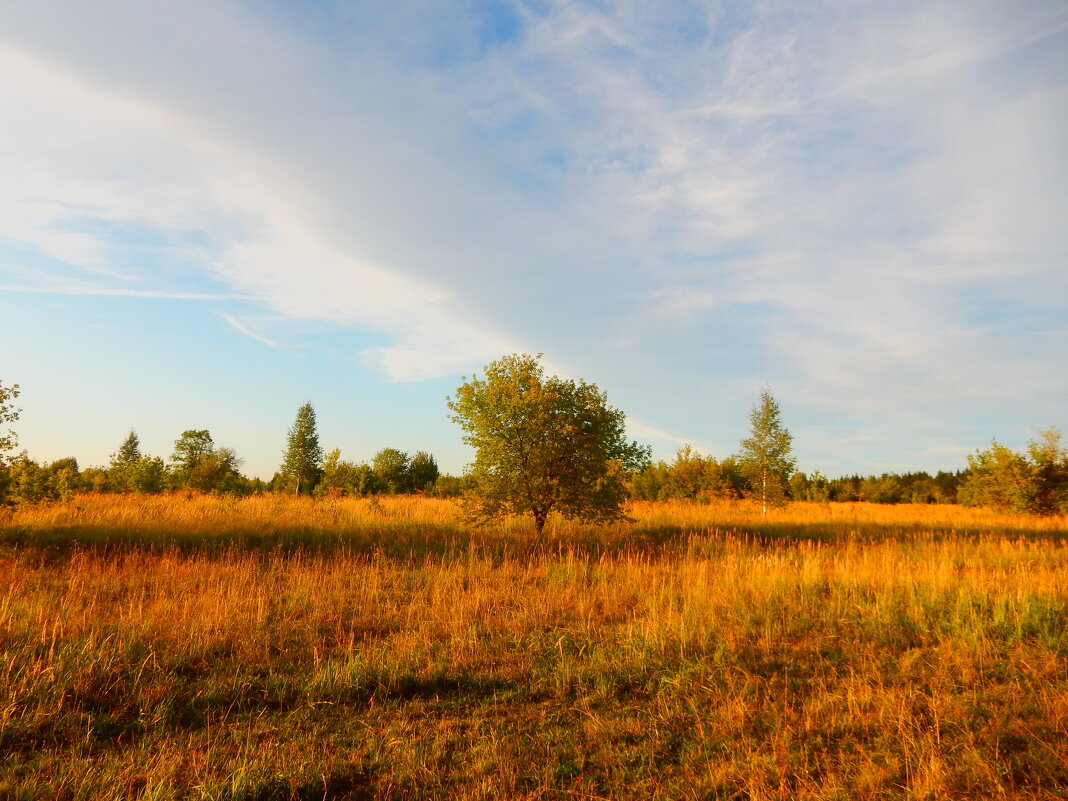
<point>280,648</point>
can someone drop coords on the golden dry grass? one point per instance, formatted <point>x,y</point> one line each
<point>195,512</point>
<point>193,648</point>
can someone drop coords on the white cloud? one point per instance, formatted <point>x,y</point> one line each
<point>242,328</point>
<point>61,288</point>
<point>834,197</point>
<point>143,164</point>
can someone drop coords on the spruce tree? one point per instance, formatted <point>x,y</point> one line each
<point>303,462</point>
<point>123,470</point>
<point>129,451</point>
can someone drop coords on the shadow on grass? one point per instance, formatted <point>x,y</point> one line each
<point>427,542</point>
<point>121,716</point>
<point>355,783</point>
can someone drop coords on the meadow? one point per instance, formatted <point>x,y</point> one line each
<point>202,647</point>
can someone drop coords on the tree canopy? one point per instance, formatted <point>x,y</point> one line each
<point>423,471</point>
<point>303,462</point>
<point>543,444</point>
<point>1035,482</point>
<point>8,414</point>
<point>765,454</point>
<point>392,468</point>
<point>190,450</point>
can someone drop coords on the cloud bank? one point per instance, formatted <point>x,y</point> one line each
<point>860,204</point>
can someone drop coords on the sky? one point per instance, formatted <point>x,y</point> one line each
<point>214,211</point>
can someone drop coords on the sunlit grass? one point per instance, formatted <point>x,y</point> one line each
<point>700,652</point>
<point>418,526</point>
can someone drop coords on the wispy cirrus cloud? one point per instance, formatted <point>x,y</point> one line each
<point>242,328</point>
<point>116,292</point>
<point>257,215</point>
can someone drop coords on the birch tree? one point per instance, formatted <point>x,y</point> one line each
<point>766,453</point>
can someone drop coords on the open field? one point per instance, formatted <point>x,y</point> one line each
<point>200,647</point>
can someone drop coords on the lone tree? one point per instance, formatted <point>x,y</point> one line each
<point>303,463</point>
<point>543,445</point>
<point>765,455</point>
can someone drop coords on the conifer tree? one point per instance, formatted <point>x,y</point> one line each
<point>303,462</point>
<point>125,462</point>
<point>130,450</point>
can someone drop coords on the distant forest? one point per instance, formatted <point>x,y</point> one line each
<point>1035,481</point>
<point>206,468</point>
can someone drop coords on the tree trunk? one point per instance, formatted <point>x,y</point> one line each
<point>763,494</point>
<point>539,526</point>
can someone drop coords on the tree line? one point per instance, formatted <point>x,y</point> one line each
<point>545,445</point>
<point>198,463</point>
<point>691,475</point>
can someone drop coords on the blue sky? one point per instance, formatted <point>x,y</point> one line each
<point>212,212</point>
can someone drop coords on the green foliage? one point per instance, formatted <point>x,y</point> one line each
<point>27,481</point>
<point>916,487</point>
<point>64,479</point>
<point>303,462</point>
<point>9,413</point>
<point>884,489</point>
<point>349,478</point>
<point>337,473</point>
<point>997,477</point>
<point>122,474</point>
<point>765,454</point>
<point>1035,482</point>
<point>130,450</point>
<point>218,471</point>
<point>149,475</point>
<point>690,476</point>
<point>365,482</point>
<point>95,479</point>
<point>392,469</point>
<point>130,470</point>
<point>30,482</point>
<point>543,444</point>
<point>449,486</point>
<point>423,471</point>
<point>189,450</point>
<point>810,488</point>
<point>1049,473</point>
<point>198,465</point>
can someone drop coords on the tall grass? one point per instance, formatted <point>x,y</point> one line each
<point>193,648</point>
<point>414,526</point>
